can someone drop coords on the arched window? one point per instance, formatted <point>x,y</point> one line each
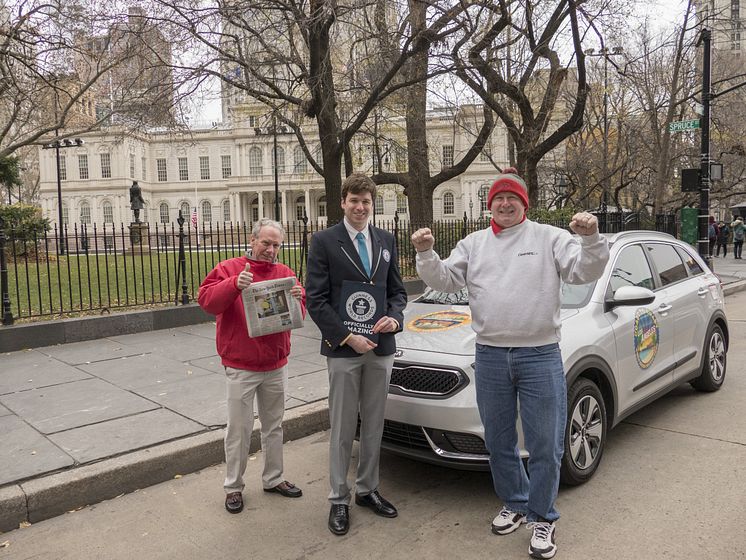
<point>300,207</point>
<point>280,160</point>
<point>300,164</point>
<point>206,211</point>
<point>65,214</point>
<point>255,161</point>
<point>448,206</point>
<point>322,207</point>
<point>108,211</point>
<point>401,203</point>
<point>186,211</point>
<point>483,192</point>
<point>226,210</point>
<point>379,204</point>
<point>255,210</point>
<point>163,212</point>
<point>85,213</point>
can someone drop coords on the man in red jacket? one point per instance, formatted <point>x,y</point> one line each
<point>253,366</point>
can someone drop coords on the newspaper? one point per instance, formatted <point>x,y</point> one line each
<point>270,308</point>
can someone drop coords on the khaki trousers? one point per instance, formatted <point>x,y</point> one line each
<point>269,389</point>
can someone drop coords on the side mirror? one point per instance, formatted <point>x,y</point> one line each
<point>630,295</point>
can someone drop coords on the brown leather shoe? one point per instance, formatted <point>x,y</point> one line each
<point>234,502</point>
<point>287,489</point>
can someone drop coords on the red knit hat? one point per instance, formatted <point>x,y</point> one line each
<point>508,181</point>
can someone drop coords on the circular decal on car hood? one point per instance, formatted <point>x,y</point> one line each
<point>439,321</point>
<point>646,337</point>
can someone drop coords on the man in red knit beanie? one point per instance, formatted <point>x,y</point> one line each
<point>513,271</point>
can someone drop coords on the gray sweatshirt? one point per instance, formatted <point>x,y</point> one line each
<point>513,279</point>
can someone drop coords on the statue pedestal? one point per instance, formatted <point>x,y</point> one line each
<point>139,238</point>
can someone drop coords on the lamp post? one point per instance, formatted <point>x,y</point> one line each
<point>561,189</point>
<point>605,53</point>
<point>273,131</point>
<point>57,145</point>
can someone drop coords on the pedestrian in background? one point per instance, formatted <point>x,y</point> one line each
<point>513,270</point>
<point>739,232</point>
<point>354,252</point>
<point>723,236</point>
<point>253,366</point>
<point>712,234</point>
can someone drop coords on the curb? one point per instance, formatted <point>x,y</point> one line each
<point>734,287</point>
<point>49,496</point>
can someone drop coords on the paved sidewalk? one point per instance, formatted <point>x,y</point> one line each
<point>87,421</point>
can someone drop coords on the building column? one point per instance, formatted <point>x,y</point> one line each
<point>284,206</point>
<point>307,195</point>
<point>260,203</point>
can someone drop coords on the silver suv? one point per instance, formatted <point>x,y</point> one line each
<point>653,321</point>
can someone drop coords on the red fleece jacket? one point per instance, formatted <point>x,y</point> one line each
<point>219,296</point>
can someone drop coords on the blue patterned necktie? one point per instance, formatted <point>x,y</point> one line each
<point>363,250</point>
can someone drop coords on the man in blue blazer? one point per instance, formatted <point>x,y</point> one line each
<point>359,368</point>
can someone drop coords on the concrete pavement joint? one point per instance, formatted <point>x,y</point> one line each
<point>669,430</point>
<point>49,496</point>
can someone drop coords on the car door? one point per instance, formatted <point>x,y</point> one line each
<point>687,295</point>
<point>643,334</point>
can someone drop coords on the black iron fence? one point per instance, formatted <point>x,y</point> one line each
<point>92,268</point>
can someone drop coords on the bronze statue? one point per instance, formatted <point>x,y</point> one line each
<point>136,200</point>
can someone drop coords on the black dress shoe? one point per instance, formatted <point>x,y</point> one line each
<point>287,489</point>
<point>377,503</point>
<point>339,519</point>
<point>234,502</point>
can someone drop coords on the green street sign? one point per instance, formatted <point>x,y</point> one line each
<point>680,126</point>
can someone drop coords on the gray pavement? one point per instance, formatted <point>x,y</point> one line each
<point>88,421</point>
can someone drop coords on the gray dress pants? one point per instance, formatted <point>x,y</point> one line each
<point>358,384</point>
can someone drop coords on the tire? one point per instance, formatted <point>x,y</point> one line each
<point>585,432</point>
<point>714,364</point>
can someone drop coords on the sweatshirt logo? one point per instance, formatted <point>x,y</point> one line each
<point>528,254</point>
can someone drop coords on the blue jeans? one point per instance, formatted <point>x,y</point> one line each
<point>535,376</point>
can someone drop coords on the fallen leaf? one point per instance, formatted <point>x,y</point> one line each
<point>33,453</point>
<point>24,524</point>
<point>177,476</point>
<point>5,544</point>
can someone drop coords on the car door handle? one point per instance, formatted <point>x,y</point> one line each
<point>702,292</point>
<point>664,307</point>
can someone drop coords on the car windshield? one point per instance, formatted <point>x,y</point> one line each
<point>573,296</point>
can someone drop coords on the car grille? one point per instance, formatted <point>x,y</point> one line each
<point>466,443</point>
<point>426,381</point>
<point>404,435</point>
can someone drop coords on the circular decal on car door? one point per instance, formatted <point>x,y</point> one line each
<point>646,337</point>
<point>439,321</point>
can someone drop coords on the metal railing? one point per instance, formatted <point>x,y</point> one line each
<point>92,268</point>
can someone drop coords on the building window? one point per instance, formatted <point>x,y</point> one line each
<point>255,161</point>
<point>448,206</point>
<point>65,214</point>
<point>108,213</point>
<point>204,167</point>
<point>280,160</point>
<point>185,211</point>
<point>300,164</point>
<point>83,166</point>
<point>483,192</point>
<point>163,212</point>
<point>85,213</point>
<point>144,163</point>
<point>379,204</point>
<point>225,163</point>
<point>486,153</point>
<point>132,166</point>
<point>160,164</point>
<point>300,207</point>
<point>322,207</point>
<point>106,166</point>
<point>401,203</point>
<point>183,169</point>
<point>226,210</point>
<point>206,211</point>
<point>63,168</point>
<point>448,155</point>
<point>255,211</point>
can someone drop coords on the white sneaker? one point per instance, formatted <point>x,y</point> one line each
<point>542,540</point>
<point>507,521</point>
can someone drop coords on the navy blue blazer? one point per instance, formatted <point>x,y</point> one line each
<point>333,258</point>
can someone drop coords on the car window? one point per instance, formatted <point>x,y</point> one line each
<point>690,262</point>
<point>631,269</point>
<point>668,262</point>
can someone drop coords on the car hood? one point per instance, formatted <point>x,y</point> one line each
<point>445,329</point>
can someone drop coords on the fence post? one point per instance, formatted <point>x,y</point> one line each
<point>466,226</point>
<point>181,269</point>
<point>304,248</point>
<point>7,314</point>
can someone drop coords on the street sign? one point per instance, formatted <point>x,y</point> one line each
<point>680,126</point>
